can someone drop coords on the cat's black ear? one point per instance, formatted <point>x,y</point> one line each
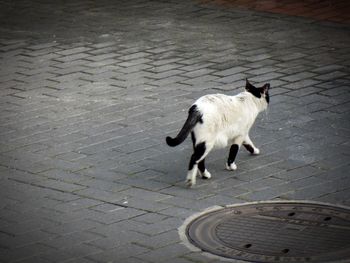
<point>266,87</point>
<point>265,90</point>
<point>248,86</point>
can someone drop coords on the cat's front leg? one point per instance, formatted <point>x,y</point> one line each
<point>249,145</point>
<point>191,176</point>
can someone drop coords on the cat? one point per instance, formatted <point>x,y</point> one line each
<point>218,120</point>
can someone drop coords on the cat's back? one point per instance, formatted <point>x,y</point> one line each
<point>214,99</point>
<point>218,102</point>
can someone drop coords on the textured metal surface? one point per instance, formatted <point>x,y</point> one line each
<point>275,232</point>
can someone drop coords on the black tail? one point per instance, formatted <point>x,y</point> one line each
<point>194,116</point>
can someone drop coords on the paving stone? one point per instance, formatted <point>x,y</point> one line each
<point>75,251</point>
<point>73,226</point>
<point>141,204</point>
<point>101,195</point>
<point>26,239</point>
<point>119,254</point>
<point>166,253</point>
<point>28,253</point>
<point>109,243</point>
<point>144,194</point>
<point>71,240</point>
<point>112,217</point>
<point>60,186</point>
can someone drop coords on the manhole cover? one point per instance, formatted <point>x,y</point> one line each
<point>274,232</point>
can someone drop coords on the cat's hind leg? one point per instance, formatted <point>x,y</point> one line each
<point>201,150</point>
<point>249,145</point>
<point>201,165</point>
<point>203,172</point>
<point>230,165</point>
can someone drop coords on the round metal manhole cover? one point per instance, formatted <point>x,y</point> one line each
<point>274,232</point>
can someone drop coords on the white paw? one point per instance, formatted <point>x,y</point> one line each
<point>190,183</point>
<point>256,151</point>
<point>191,179</point>
<point>231,167</point>
<point>206,174</point>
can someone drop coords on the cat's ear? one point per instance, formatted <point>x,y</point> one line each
<point>248,86</point>
<point>266,87</point>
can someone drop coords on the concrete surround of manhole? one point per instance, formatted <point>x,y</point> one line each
<point>212,232</point>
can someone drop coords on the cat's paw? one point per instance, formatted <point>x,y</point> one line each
<point>256,151</point>
<point>231,167</point>
<point>206,174</point>
<point>190,183</point>
<point>191,179</point>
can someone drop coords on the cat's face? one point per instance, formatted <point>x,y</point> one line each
<point>262,92</point>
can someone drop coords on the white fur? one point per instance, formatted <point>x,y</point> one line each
<point>205,175</point>
<point>226,121</point>
<point>231,167</point>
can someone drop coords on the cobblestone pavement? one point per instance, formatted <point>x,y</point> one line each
<point>329,10</point>
<point>89,90</point>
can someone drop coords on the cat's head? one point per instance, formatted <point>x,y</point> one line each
<point>260,92</point>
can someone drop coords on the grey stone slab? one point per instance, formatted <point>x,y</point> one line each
<point>142,204</point>
<point>298,76</point>
<point>116,215</point>
<point>159,227</point>
<point>26,239</point>
<point>101,195</point>
<point>104,185</point>
<point>119,254</point>
<point>302,84</point>
<point>304,91</point>
<point>109,243</point>
<point>76,204</point>
<point>71,240</point>
<point>145,194</point>
<point>59,175</point>
<point>187,203</point>
<point>178,212</point>
<point>150,218</point>
<point>30,253</point>
<point>73,226</point>
<point>60,186</point>
<point>231,71</point>
<point>76,251</point>
<point>166,253</point>
<point>147,185</point>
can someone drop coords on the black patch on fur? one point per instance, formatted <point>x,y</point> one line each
<point>265,90</point>
<point>253,90</point>
<point>193,137</point>
<point>267,97</point>
<point>249,148</point>
<point>233,153</point>
<point>199,150</point>
<point>257,92</point>
<point>194,116</point>
<point>194,111</point>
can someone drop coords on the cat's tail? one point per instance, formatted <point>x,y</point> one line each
<point>194,116</point>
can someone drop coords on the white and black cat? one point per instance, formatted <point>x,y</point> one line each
<point>218,120</point>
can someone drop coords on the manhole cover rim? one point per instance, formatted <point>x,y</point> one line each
<point>186,240</point>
